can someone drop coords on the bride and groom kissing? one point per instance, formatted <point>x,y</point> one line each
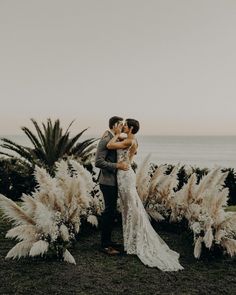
<point>114,157</point>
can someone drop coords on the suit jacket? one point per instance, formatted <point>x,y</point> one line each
<point>106,159</point>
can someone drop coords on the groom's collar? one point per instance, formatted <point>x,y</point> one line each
<point>113,134</point>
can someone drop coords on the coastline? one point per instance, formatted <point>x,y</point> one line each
<point>197,151</point>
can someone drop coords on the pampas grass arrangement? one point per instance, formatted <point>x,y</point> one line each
<point>201,204</point>
<point>50,218</point>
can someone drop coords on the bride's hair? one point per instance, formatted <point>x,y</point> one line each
<point>114,120</point>
<point>133,123</point>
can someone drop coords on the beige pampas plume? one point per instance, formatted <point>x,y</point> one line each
<point>22,232</point>
<point>45,220</point>
<point>20,250</point>
<point>68,257</point>
<point>14,212</point>
<point>51,216</point>
<point>142,179</point>
<point>84,173</point>
<point>28,205</point>
<point>64,233</point>
<point>155,215</point>
<point>207,181</point>
<point>229,245</point>
<point>219,235</point>
<point>173,178</point>
<point>62,170</point>
<point>219,183</point>
<point>187,192</point>
<point>208,238</point>
<point>39,248</point>
<point>45,182</point>
<point>93,220</point>
<point>202,205</point>
<point>198,247</point>
<point>155,179</point>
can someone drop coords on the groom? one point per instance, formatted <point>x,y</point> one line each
<point>106,160</point>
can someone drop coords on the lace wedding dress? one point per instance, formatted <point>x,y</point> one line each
<point>139,236</point>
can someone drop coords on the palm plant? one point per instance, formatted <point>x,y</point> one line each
<point>50,144</point>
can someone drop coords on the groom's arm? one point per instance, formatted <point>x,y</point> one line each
<point>101,154</point>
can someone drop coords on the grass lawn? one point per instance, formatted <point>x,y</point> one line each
<point>231,208</point>
<point>97,273</point>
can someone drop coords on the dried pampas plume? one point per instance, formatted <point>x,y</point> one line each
<point>202,204</point>
<point>51,216</point>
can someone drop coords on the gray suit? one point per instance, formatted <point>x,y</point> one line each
<point>106,160</point>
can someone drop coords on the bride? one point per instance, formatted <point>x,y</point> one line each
<point>139,236</point>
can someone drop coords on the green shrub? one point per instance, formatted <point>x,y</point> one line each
<point>16,177</point>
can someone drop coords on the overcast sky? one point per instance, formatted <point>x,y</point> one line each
<point>171,64</point>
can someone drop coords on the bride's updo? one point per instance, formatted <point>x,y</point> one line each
<point>133,123</point>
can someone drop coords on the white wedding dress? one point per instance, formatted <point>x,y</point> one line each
<point>139,236</point>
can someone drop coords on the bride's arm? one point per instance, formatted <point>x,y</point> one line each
<point>113,144</point>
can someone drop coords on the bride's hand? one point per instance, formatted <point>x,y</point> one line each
<point>130,130</point>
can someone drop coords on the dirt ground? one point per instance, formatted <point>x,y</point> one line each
<point>97,273</point>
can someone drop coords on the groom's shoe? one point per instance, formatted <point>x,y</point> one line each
<point>110,250</point>
<point>117,246</point>
<point>114,244</point>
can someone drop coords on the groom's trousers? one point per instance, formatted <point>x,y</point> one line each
<point>110,194</point>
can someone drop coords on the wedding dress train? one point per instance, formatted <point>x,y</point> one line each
<point>139,236</point>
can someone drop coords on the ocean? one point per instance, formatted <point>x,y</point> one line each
<point>199,151</point>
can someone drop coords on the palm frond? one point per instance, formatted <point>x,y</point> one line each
<point>80,147</point>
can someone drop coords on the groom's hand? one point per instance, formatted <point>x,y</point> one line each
<point>117,128</point>
<point>122,166</point>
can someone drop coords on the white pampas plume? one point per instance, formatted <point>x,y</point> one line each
<point>22,232</point>
<point>28,204</point>
<point>155,215</point>
<point>39,248</point>
<point>64,233</point>
<point>229,221</point>
<point>219,235</point>
<point>44,218</point>
<point>20,250</point>
<point>187,193</point>
<point>173,178</point>
<point>222,198</point>
<point>77,226</point>
<point>192,212</point>
<point>93,220</point>
<point>208,238</point>
<point>142,179</point>
<point>230,246</point>
<point>155,179</point>
<point>14,212</point>
<point>84,173</point>
<point>220,181</point>
<point>44,180</point>
<point>62,170</point>
<point>68,257</point>
<point>207,181</point>
<point>198,247</point>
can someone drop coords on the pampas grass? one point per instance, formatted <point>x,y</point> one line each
<point>51,217</point>
<point>201,204</point>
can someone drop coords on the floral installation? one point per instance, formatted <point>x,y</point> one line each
<point>50,218</point>
<point>201,204</point>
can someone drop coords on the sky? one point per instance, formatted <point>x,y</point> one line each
<point>170,64</point>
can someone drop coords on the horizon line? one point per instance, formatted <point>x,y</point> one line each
<point>139,134</point>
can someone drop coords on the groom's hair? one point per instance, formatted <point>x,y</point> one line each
<point>133,123</point>
<point>114,120</point>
